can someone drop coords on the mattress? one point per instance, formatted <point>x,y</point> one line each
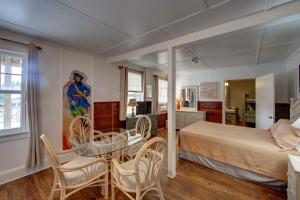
<point>251,149</point>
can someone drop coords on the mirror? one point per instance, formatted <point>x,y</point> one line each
<point>189,96</point>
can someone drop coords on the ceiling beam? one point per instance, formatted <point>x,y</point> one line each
<point>200,59</point>
<point>235,25</point>
<point>88,17</point>
<point>203,4</point>
<point>259,45</point>
<point>160,28</point>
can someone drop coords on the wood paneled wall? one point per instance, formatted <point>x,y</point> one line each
<point>162,117</point>
<point>282,111</point>
<point>213,110</point>
<point>106,115</point>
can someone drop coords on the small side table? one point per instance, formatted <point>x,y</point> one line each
<point>293,190</point>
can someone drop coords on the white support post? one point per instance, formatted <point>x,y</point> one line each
<point>171,113</point>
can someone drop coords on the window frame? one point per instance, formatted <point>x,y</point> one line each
<point>164,103</point>
<point>23,124</point>
<point>142,93</point>
<point>142,77</point>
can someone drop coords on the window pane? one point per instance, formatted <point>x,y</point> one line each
<point>11,72</point>
<point>135,95</point>
<point>11,64</point>
<point>135,82</point>
<point>11,82</point>
<point>10,111</point>
<point>162,91</point>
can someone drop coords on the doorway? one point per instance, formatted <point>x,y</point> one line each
<point>240,102</point>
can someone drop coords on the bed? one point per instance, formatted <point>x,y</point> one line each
<point>247,153</point>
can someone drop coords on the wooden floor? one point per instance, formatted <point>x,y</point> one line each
<point>193,182</point>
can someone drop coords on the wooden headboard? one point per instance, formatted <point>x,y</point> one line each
<point>294,109</point>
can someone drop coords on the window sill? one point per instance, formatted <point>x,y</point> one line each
<point>14,136</point>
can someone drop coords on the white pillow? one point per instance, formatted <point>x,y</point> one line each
<point>297,147</point>
<point>296,126</point>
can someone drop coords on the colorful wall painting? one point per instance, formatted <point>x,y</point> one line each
<point>76,101</point>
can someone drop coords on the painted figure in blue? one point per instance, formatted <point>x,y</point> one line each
<point>77,94</point>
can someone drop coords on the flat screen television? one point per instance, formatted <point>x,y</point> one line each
<point>144,107</point>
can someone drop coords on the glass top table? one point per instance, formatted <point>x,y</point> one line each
<point>106,141</point>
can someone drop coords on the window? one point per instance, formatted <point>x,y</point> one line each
<point>162,94</point>
<point>12,93</point>
<point>135,87</point>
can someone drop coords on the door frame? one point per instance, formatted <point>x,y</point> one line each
<point>223,93</point>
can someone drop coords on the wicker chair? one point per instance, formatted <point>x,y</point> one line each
<point>80,130</point>
<point>141,175</point>
<point>143,127</point>
<point>77,173</point>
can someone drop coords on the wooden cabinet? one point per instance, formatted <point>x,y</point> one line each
<point>185,118</point>
<point>282,111</point>
<point>213,110</point>
<point>162,118</point>
<point>106,115</point>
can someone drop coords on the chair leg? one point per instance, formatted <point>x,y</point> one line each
<point>53,188</point>
<point>62,195</point>
<point>161,196</point>
<point>138,195</point>
<point>112,189</point>
<point>106,187</point>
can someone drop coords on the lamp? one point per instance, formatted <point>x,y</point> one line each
<point>132,103</point>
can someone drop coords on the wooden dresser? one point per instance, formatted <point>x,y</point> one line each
<point>213,110</point>
<point>106,115</point>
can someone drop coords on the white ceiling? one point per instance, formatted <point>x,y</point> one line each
<point>111,27</point>
<point>271,42</point>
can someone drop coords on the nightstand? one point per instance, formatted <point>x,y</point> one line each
<point>293,190</point>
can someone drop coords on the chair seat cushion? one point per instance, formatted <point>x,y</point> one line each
<point>130,181</point>
<point>86,173</point>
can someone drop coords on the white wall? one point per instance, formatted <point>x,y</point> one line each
<point>56,63</point>
<point>243,72</point>
<point>292,65</point>
<point>106,81</point>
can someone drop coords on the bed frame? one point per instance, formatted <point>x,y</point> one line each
<point>242,173</point>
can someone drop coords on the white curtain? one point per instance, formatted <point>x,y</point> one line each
<point>35,156</point>
<point>145,86</point>
<point>123,92</point>
<point>155,106</point>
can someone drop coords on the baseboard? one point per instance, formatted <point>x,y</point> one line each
<point>19,172</point>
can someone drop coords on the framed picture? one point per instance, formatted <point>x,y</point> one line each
<point>209,90</point>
